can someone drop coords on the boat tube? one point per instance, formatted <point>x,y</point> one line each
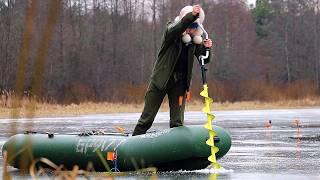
<point>180,148</point>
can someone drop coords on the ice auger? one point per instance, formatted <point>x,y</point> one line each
<point>207,103</point>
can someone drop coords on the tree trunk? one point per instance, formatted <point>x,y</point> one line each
<point>7,58</point>
<point>287,54</point>
<point>316,44</point>
<point>25,48</point>
<point>61,53</point>
<point>154,28</point>
<point>114,18</point>
<point>143,42</point>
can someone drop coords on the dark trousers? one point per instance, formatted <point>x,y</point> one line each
<point>176,87</point>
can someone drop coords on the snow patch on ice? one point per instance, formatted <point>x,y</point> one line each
<point>209,171</point>
<point>215,171</point>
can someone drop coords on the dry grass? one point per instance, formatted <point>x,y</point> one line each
<point>254,94</point>
<point>47,110</point>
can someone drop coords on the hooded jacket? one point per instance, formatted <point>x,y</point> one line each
<point>170,51</point>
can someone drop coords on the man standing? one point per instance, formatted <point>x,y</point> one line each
<point>173,69</point>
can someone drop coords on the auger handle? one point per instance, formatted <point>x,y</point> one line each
<point>204,57</point>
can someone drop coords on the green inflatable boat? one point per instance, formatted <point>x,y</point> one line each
<point>180,148</point>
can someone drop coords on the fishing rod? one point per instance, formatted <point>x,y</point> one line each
<point>207,102</point>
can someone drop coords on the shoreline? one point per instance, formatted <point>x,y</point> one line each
<point>86,108</point>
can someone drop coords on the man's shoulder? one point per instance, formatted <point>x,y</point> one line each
<point>170,23</point>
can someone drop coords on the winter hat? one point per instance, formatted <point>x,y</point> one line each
<point>186,38</point>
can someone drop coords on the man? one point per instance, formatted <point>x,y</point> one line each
<point>173,69</point>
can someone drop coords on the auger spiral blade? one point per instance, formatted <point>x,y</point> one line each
<point>208,125</point>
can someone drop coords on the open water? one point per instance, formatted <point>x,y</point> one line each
<point>289,149</point>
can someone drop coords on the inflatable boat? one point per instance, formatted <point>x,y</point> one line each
<point>180,148</point>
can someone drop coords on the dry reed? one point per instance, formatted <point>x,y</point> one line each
<point>47,110</point>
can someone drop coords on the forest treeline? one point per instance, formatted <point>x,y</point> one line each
<point>104,50</point>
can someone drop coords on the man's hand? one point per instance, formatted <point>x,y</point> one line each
<point>196,9</point>
<point>207,43</point>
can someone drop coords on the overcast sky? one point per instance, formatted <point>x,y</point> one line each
<point>251,1</point>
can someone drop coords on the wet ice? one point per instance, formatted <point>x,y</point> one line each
<point>281,152</point>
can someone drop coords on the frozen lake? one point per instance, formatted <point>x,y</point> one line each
<point>257,152</point>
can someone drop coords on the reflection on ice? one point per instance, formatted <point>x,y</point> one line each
<point>279,152</point>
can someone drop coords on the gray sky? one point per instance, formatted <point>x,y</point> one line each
<point>251,1</point>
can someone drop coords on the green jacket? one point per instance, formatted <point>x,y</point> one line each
<point>170,52</point>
